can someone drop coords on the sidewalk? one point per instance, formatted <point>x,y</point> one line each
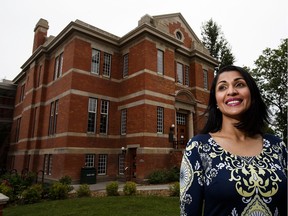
<point>101,187</point>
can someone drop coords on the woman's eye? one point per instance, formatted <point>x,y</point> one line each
<point>240,84</point>
<point>222,87</point>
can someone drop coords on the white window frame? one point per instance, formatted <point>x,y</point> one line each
<point>205,79</point>
<point>125,65</point>
<point>95,62</point>
<point>160,120</point>
<point>58,66</point>
<point>90,160</point>
<point>160,62</point>
<point>104,115</point>
<point>102,164</point>
<point>121,164</point>
<point>123,128</point>
<point>179,69</point>
<point>92,113</point>
<point>107,65</point>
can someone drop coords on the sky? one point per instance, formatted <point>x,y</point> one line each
<point>249,26</point>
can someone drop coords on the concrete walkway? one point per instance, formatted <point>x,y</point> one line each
<point>101,187</point>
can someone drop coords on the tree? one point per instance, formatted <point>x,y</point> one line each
<point>271,76</point>
<point>214,40</point>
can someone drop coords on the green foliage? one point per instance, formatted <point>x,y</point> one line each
<point>66,180</point>
<point>271,77</point>
<point>174,189</point>
<point>164,176</point>
<point>83,191</point>
<point>112,189</point>
<point>32,194</point>
<point>214,40</point>
<point>6,190</point>
<point>58,191</point>
<point>130,188</point>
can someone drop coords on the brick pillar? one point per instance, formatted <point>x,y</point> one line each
<point>3,200</point>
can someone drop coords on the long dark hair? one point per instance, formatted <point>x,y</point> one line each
<point>253,121</point>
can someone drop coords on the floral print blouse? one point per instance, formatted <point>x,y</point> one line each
<point>216,182</point>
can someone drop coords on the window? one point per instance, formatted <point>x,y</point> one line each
<point>104,116</point>
<point>102,164</point>
<point>92,112</point>
<point>179,73</point>
<point>48,164</point>
<point>205,79</point>
<point>95,64</point>
<point>107,65</point>
<point>160,119</point>
<point>125,65</point>
<point>34,122</point>
<point>18,124</point>
<point>90,160</point>
<point>22,93</point>
<point>58,66</point>
<point>181,119</point>
<point>160,62</point>
<point>187,75</point>
<point>123,121</point>
<point>121,164</point>
<point>179,35</point>
<point>53,117</point>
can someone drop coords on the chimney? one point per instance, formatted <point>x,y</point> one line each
<point>40,33</point>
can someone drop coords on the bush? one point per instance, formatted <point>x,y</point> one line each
<point>83,191</point>
<point>7,191</point>
<point>174,189</point>
<point>58,191</point>
<point>112,189</point>
<point>67,180</point>
<point>164,176</point>
<point>32,194</point>
<point>158,177</point>
<point>129,188</point>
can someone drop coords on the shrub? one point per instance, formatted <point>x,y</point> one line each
<point>174,189</point>
<point>7,191</point>
<point>58,191</point>
<point>83,191</point>
<point>112,189</point>
<point>129,188</point>
<point>164,176</point>
<point>66,180</point>
<point>32,194</point>
<point>158,177</point>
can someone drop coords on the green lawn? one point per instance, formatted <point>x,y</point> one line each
<point>100,206</point>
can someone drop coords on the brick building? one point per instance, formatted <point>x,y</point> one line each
<point>124,105</point>
<point>7,97</point>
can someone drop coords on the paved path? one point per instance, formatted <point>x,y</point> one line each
<point>101,186</point>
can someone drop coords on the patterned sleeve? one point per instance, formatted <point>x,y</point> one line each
<point>191,180</point>
<point>284,156</point>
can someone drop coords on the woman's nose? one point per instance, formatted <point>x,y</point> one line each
<point>232,91</point>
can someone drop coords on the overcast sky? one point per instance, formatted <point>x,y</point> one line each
<point>249,26</point>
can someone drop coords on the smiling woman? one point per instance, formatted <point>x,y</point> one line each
<point>233,159</point>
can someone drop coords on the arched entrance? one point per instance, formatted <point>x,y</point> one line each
<point>185,108</point>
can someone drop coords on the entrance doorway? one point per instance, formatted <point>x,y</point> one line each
<point>182,130</point>
<point>132,165</point>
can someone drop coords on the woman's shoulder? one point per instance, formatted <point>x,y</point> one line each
<point>201,138</point>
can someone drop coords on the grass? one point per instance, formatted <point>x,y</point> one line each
<point>101,206</point>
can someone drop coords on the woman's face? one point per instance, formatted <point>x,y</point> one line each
<point>232,94</point>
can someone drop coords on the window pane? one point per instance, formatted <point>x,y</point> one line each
<point>205,78</point>
<point>160,62</point>
<point>92,110</point>
<point>187,75</point>
<point>95,64</point>
<point>89,160</point>
<point>102,164</point>
<point>107,65</point>
<point>179,73</point>
<point>123,121</point>
<point>125,65</point>
<point>104,116</point>
<point>160,119</point>
<point>121,159</point>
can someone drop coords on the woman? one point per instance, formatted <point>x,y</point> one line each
<point>232,167</point>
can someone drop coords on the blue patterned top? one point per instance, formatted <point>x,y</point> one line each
<point>233,185</point>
